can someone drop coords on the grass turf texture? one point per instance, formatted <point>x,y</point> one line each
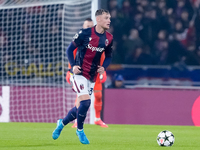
<point>37,136</point>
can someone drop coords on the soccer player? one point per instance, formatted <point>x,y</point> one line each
<point>91,43</point>
<point>98,100</point>
<point>98,84</point>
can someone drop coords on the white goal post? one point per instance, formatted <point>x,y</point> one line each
<point>34,36</point>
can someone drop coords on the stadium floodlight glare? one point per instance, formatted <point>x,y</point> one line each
<point>34,36</point>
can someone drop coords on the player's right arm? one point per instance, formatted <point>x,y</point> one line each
<point>77,41</point>
<point>69,73</point>
<point>70,55</point>
<point>70,50</point>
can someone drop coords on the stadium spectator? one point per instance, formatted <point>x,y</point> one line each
<point>180,32</point>
<point>118,82</point>
<point>151,26</point>
<point>127,9</point>
<point>160,48</point>
<point>136,22</point>
<point>183,5</point>
<point>176,51</point>
<point>185,18</point>
<point>113,5</point>
<point>163,14</point>
<point>132,42</point>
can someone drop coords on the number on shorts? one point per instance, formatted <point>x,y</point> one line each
<point>90,91</point>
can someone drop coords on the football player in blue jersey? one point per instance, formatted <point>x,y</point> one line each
<point>91,44</point>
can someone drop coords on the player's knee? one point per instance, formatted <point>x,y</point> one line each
<point>98,97</point>
<point>86,103</point>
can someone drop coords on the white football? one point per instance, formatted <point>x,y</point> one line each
<point>165,138</point>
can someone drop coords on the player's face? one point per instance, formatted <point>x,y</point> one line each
<point>88,24</point>
<point>105,20</point>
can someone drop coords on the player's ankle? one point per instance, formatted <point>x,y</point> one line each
<point>62,123</point>
<point>80,129</point>
<point>97,119</point>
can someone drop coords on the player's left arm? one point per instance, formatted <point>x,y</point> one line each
<point>108,55</point>
<point>107,60</point>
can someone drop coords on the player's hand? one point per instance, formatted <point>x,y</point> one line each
<point>103,77</point>
<point>76,69</point>
<point>100,70</point>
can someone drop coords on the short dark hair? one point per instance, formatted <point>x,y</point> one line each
<point>101,11</point>
<point>88,19</point>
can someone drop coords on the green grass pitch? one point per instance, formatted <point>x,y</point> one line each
<point>37,136</point>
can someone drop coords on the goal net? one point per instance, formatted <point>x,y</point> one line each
<point>34,35</point>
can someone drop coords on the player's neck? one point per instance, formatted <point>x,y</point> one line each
<point>99,29</point>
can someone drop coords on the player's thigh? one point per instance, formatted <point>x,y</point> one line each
<point>82,96</point>
<point>82,86</point>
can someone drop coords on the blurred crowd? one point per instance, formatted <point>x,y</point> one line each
<point>155,32</point>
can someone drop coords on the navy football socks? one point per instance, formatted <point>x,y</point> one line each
<point>82,112</point>
<point>70,116</point>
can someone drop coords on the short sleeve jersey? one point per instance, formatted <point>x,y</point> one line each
<point>91,46</point>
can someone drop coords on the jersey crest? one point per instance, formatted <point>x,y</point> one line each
<point>106,42</point>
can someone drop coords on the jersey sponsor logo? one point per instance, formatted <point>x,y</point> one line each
<point>98,49</point>
<point>90,38</point>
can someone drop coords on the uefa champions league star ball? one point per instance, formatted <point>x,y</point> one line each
<point>165,138</point>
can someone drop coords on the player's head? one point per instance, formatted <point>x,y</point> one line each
<point>103,18</point>
<point>88,23</point>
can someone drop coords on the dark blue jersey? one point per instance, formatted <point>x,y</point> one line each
<point>91,45</point>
